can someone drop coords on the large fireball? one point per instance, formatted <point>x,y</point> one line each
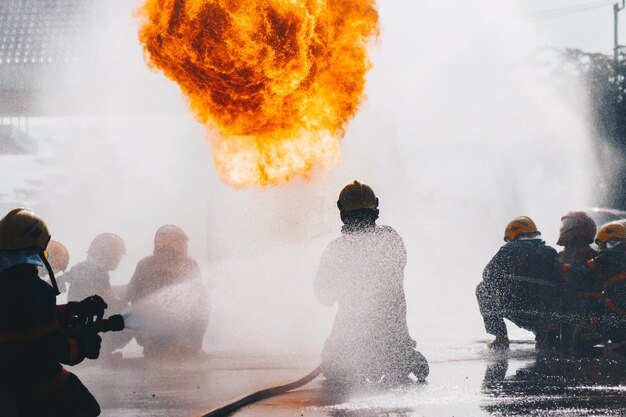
<point>274,81</point>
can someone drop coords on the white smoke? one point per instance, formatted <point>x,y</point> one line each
<point>461,132</point>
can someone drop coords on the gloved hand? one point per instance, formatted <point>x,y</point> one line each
<point>89,345</point>
<point>88,308</point>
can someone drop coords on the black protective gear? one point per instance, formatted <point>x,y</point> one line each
<point>72,399</point>
<point>90,307</point>
<point>577,307</point>
<point>604,276</point>
<point>33,346</point>
<point>506,292</point>
<point>90,344</point>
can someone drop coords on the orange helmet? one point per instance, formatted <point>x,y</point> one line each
<point>611,232</point>
<point>356,196</point>
<point>518,227</point>
<point>576,226</point>
<point>58,256</point>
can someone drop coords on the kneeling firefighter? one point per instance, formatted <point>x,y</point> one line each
<point>363,272</point>
<point>35,336</point>
<point>521,284</point>
<point>605,276</point>
<point>169,265</point>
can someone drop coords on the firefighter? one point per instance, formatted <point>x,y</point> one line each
<point>92,276</point>
<point>168,266</point>
<point>605,276</point>
<point>521,283</point>
<point>577,233</point>
<point>33,337</point>
<point>363,273</point>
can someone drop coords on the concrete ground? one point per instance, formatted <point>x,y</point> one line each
<point>464,381</point>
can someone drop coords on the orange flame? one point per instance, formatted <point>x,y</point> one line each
<point>275,81</point>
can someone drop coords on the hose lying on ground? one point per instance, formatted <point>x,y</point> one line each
<point>262,395</point>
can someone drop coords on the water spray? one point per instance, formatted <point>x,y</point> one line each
<point>262,395</point>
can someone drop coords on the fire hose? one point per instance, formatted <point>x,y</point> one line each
<point>262,395</point>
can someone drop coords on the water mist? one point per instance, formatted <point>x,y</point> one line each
<point>461,132</point>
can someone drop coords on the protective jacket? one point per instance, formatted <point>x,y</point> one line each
<point>363,272</point>
<point>520,283</point>
<point>573,254</point>
<point>577,306</point>
<point>155,273</point>
<point>87,279</point>
<point>604,275</point>
<point>33,346</point>
<point>159,271</point>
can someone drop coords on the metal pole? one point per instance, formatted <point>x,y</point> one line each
<point>616,10</point>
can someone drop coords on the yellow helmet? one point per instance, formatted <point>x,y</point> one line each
<point>23,229</point>
<point>356,196</point>
<point>613,230</point>
<point>519,226</point>
<point>58,256</point>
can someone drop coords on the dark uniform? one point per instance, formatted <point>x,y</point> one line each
<point>33,346</point>
<point>520,283</point>
<point>577,254</point>
<point>604,276</point>
<point>155,273</point>
<point>577,306</point>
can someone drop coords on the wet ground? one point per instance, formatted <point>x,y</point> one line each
<point>464,381</point>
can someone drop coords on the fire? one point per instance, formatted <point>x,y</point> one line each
<point>274,81</point>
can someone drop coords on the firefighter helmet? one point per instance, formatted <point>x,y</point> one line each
<point>356,196</point>
<point>519,227</point>
<point>58,256</point>
<point>611,232</point>
<point>576,226</point>
<point>23,229</point>
<point>171,237</point>
<point>107,244</point>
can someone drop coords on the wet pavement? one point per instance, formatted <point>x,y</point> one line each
<point>464,381</point>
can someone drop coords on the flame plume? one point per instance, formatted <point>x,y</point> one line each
<point>275,81</point>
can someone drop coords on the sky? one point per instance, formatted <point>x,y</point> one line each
<point>584,24</point>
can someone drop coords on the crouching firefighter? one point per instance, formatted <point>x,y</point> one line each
<point>363,272</point>
<point>604,276</point>
<point>577,233</point>
<point>34,338</point>
<point>521,283</point>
